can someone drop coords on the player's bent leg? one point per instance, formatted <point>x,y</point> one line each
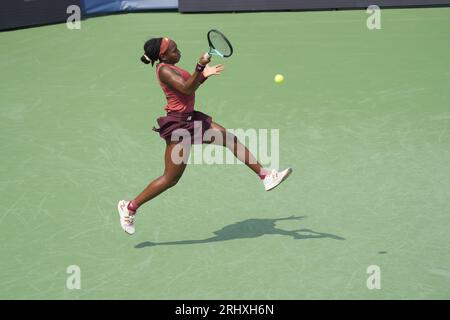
<point>175,159</point>
<point>220,136</point>
<point>270,178</point>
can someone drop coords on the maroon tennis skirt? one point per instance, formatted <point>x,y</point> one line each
<point>190,126</point>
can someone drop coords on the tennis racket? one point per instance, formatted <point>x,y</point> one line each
<point>219,45</point>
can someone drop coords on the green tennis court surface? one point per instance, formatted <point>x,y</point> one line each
<point>364,121</point>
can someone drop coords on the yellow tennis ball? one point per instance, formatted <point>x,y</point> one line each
<point>279,78</point>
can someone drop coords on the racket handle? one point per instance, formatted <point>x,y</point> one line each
<point>205,58</point>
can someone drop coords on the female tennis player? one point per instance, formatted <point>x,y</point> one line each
<point>179,87</point>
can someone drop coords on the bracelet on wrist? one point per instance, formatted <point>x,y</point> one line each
<point>199,67</point>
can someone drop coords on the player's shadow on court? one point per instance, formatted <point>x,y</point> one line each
<point>251,228</point>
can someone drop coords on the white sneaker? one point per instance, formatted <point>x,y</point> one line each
<point>126,219</point>
<point>274,178</point>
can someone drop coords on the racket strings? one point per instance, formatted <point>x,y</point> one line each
<point>220,44</point>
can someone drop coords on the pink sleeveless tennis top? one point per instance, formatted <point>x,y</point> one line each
<point>176,101</point>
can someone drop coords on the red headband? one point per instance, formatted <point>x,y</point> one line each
<point>164,45</point>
